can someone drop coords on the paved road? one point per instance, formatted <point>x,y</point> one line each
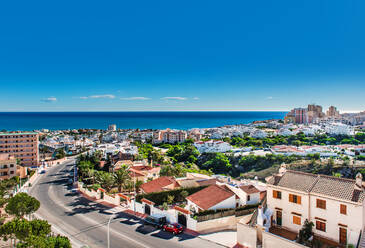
<point>85,222</point>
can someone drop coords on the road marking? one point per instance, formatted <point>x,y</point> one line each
<point>60,203</point>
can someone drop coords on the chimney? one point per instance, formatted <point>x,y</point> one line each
<point>282,169</point>
<point>358,183</point>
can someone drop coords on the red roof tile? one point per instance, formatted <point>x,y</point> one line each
<point>158,184</point>
<point>210,196</point>
<point>249,189</point>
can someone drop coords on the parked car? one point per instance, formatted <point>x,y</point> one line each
<point>43,171</point>
<point>156,220</point>
<point>174,228</point>
<point>70,181</point>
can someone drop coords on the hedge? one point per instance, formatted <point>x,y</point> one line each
<point>160,197</point>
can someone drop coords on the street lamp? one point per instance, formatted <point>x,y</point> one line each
<point>134,189</point>
<point>114,211</point>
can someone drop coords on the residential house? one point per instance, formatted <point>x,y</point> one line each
<point>212,146</point>
<point>160,184</point>
<point>336,206</point>
<point>211,198</point>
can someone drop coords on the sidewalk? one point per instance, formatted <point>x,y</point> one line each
<point>225,238</point>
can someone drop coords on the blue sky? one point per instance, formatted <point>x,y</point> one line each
<point>181,55</point>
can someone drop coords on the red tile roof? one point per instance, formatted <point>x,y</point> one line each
<point>249,189</point>
<point>183,210</point>
<point>158,184</point>
<point>210,196</point>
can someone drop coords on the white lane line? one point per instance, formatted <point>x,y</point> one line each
<point>92,222</point>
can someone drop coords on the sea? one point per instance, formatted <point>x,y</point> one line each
<point>27,121</point>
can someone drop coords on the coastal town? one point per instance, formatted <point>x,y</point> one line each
<point>292,182</point>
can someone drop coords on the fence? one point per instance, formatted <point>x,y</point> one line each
<point>216,215</point>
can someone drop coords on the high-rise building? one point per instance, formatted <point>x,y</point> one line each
<point>22,146</point>
<point>333,112</point>
<point>314,112</point>
<point>112,127</point>
<point>297,115</point>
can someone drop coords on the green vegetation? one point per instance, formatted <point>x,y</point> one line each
<point>22,204</point>
<point>183,153</point>
<point>218,163</point>
<point>165,196</point>
<point>35,233</point>
<point>146,151</point>
<point>60,153</point>
<point>296,140</point>
<point>257,163</point>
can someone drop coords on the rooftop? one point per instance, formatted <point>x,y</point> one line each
<point>210,196</point>
<point>25,133</point>
<point>341,188</point>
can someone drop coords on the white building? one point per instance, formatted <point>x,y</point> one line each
<point>212,146</point>
<point>336,206</point>
<point>337,128</point>
<point>258,133</point>
<point>211,198</point>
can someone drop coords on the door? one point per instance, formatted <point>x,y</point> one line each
<point>181,219</point>
<point>279,217</point>
<point>101,195</point>
<point>147,209</point>
<point>343,236</point>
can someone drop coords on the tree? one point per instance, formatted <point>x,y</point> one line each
<point>170,199</point>
<point>184,194</point>
<point>22,204</point>
<point>219,164</point>
<point>306,233</point>
<point>121,176</point>
<point>45,242</point>
<point>105,179</point>
<point>60,153</point>
<point>22,229</point>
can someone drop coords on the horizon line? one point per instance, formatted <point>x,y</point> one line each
<point>207,110</point>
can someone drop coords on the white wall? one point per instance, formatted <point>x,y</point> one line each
<point>288,207</point>
<point>246,235</point>
<point>270,240</point>
<point>353,219</point>
<point>254,198</point>
<point>228,203</point>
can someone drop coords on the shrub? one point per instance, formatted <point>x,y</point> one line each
<point>160,197</point>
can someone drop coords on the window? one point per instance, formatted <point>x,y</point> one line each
<point>297,220</point>
<point>321,226</point>
<point>276,194</point>
<point>248,197</point>
<point>321,204</point>
<point>343,209</point>
<point>295,199</point>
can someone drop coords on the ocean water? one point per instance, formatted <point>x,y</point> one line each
<point>12,121</point>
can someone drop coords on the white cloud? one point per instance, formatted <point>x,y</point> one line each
<point>49,99</point>
<point>269,98</point>
<point>196,98</point>
<point>98,96</point>
<point>135,98</point>
<point>179,98</point>
<point>103,96</point>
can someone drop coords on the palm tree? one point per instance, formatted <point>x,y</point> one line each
<point>105,179</point>
<point>91,174</point>
<point>121,176</point>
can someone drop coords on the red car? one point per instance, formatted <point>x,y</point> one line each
<point>174,228</point>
